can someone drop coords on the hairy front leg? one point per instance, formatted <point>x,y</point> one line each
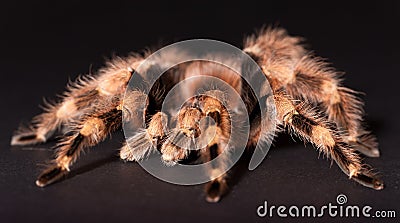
<point>89,132</point>
<point>81,97</point>
<point>72,105</point>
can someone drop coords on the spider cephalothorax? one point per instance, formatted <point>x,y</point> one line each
<point>309,99</point>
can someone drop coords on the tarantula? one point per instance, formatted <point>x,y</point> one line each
<point>310,103</point>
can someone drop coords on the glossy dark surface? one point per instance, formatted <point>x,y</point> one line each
<point>44,44</point>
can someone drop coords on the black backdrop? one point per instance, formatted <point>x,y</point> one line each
<point>45,43</point>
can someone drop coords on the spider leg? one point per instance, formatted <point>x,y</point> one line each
<point>217,187</point>
<point>217,134</point>
<point>181,139</point>
<point>81,97</point>
<point>309,126</point>
<point>88,132</point>
<point>315,82</point>
<point>147,140</point>
<point>44,125</point>
<point>308,78</point>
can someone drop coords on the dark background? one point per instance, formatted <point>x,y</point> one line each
<point>45,43</point>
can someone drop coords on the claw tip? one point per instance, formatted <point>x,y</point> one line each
<point>39,184</point>
<point>213,199</point>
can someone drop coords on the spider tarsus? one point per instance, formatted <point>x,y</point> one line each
<point>369,181</point>
<point>136,147</point>
<point>50,176</point>
<point>378,184</point>
<point>365,149</point>
<point>210,199</point>
<point>171,153</point>
<point>26,139</point>
<point>215,190</point>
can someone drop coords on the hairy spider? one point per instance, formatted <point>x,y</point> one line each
<point>310,103</point>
